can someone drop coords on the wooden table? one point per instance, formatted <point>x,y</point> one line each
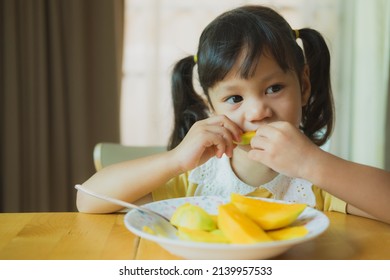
<point>77,236</point>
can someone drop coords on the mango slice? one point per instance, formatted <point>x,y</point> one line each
<point>156,230</point>
<point>246,138</point>
<point>288,233</point>
<point>193,217</point>
<point>237,227</point>
<point>243,220</point>
<point>215,218</point>
<point>215,236</point>
<point>268,215</point>
<point>149,230</point>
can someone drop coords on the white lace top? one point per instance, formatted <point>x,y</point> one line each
<point>216,177</point>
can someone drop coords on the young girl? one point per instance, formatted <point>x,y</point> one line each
<point>255,77</point>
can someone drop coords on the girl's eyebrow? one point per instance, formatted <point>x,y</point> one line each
<point>230,88</point>
<point>227,90</point>
<point>272,75</point>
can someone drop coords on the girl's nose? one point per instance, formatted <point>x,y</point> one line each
<point>257,111</point>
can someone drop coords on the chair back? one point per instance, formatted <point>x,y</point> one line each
<point>105,154</point>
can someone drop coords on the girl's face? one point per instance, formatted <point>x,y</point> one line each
<point>269,95</point>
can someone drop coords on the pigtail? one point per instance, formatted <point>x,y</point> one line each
<point>188,106</point>
<point>318,114</point>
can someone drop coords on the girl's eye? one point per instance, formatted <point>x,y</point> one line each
<point>274,89</point>
<point>234,99</point>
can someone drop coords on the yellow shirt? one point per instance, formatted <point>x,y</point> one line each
<point>180,186</point>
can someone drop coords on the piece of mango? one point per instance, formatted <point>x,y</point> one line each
<point>268,215</point>
<point>237,227</point>
<point>155,230</point>
<point>193,217</point>
<point>148,230</point>
<point>214,236</point>
<point>288,233</point>
<point>246,138</point>
<point>215,218</point>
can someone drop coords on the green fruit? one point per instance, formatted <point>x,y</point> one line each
<point>193,217</point>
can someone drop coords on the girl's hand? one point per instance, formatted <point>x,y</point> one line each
<point>284,148</point>
<point>207,138</point>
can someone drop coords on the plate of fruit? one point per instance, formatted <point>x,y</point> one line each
<point>238,227</point>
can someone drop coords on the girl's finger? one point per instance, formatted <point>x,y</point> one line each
<point>215,141</point>
<point>227,138</point>
<point>223,121</point>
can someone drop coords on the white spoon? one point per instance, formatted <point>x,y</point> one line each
<point>162,223</point>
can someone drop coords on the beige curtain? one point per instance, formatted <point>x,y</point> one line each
<point>387,129</point>
<point>60,76</point>
<point>361,88</point>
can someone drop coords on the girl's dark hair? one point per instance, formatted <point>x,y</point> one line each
<point>252,31</point>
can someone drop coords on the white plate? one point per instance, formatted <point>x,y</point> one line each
<point>315,221</point>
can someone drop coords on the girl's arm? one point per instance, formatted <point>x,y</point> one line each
<point>133,180</point>
<point>285,149</point>
<point>129,181</point>
<point>365,188</point>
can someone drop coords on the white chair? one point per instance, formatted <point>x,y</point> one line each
<point>105,154</point>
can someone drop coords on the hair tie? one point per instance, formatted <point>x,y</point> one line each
<point>296,31</point>
<point>195,58</point>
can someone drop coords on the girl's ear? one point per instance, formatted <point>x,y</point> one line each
<point>305,85</point>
